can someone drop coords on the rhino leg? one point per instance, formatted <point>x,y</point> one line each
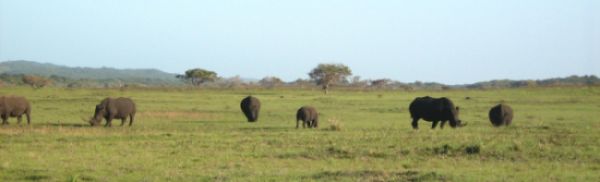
<point>297,124</point>
<point>123,121</point>
<point>4,120</point>
<point>435,123</point>
<point>415,123</point>
<point>19,119</point>
<point>28,117</point>
<point>130,120</point>
<point>255,114</point>
<point>442,125</point>
<point>108,122</point>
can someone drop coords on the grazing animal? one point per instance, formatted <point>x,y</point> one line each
<point>434,110</point>
<point>501,114</point>
<point>14,106</point>
<point>114,108</point>
<point>309,116</point>
<point>251,107</point>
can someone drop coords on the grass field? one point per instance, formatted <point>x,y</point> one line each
<point>201,135</point>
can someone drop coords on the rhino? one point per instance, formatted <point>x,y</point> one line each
<point>434,110</point>
<point>501,114</point>
<point>309,117</point>
<point>250,107</point>
<point>114,108</point>
<point>14,106</point>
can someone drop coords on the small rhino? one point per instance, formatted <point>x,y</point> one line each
<point>111,108</point>
<point>309,116</point>
<point>250,107</point>
<point>501,114</point>
<point>14,106</point>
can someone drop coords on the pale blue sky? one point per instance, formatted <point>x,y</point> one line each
<point>459,41</point>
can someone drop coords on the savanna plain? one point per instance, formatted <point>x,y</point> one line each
<point>202,135</point>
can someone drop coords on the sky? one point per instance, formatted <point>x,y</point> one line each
<point>452,42</point>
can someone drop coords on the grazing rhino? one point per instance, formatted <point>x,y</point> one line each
<point>251,107</point>
<point>14,106</point>
<point>111,108</point>
<point>434,110</point>
<point>501,114</point>
<point>309,116</point>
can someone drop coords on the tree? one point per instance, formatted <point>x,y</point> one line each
<point>270,82</point>
<point>36,81</point>
<point>198,76</point>
<point>328,74</point>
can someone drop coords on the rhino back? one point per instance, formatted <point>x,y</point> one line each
<point>122,107</point>
<point>16,104</point>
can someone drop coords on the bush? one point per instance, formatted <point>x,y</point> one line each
<point>36,81</point>
<point>473,149</point>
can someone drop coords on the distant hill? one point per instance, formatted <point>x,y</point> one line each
<point>141,76</point>
<point>574,80</point>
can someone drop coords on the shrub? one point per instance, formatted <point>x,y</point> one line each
<point>473,149</point>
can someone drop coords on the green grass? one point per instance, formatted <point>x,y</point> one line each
<point>201,135</point>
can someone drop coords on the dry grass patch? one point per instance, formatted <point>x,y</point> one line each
<point>170,115</point>
<point>335,124</point>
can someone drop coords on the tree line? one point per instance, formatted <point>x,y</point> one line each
<point>327,75</point>
<point>323,76</point>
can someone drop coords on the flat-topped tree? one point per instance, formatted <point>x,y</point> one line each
<point>198,76</point>
<point>329,74</point>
